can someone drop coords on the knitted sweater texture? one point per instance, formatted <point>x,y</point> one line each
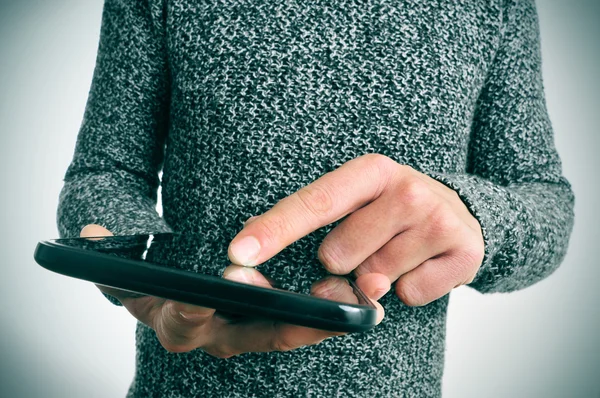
<point>242,102</point>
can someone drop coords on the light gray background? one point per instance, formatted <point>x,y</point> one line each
<point>61,338</point>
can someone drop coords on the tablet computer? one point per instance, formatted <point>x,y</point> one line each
<point>171,266</point>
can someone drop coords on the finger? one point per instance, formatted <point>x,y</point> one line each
<point>451,197</point>
<point>238,273</point>
<point>334,288</point>
<point>431,280</point>
<point>247,275</point>
<point>362,233</point>
<point>94,230</point>
<point>193,313</point>
<point>338,289</point>
<point>145,308</point>
<point>182,327</point>
<point>400,255</point>
<point>248,221</point>
<point>374,285</point>
<point>263,336</point>
<point>228,340</point>
<point>322,202</point>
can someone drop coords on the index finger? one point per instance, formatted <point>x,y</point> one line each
<point>326,200</point>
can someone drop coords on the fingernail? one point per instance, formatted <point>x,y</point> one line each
<point>187,311</point>
<point>240,274</point>
<point>245,251</point>
<point>190,316</point>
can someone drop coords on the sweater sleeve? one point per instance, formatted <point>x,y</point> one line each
<point>113,177</point>
<point>513,183</point>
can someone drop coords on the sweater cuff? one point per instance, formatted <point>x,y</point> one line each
<point>112,299</point>
<point>490,205</point>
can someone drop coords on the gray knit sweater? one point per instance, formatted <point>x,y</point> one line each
<point>243,102</point>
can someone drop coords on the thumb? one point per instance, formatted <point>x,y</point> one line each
<point>94,230</point>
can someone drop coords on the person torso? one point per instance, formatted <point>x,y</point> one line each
<point>266,97</point>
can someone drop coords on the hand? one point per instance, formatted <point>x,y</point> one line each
<point>183,327</point>
<point>400,223</point>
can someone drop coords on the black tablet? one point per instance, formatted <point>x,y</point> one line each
<point>168,266</point>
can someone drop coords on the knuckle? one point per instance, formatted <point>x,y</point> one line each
<point>406,169</point>
<point>182,326</point>
<point>316,199</point>
<point>278,341</point>
<point>455,268</point>
<point>273,228</point>
<point>376,263</point>
<point>277,344</point>
<point>330,259</point>
<point>414,192</point>
<point>408,293</point>
<point>473,255</point>
<point>173,339</point>
<point>443,221</point>
<point>366,267</point>
<point>378,160</point>
<point>462,266</point>
<point>470,279</point>
<point>477,253</point>
<point>397,209</point>
<point>381,168</point>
